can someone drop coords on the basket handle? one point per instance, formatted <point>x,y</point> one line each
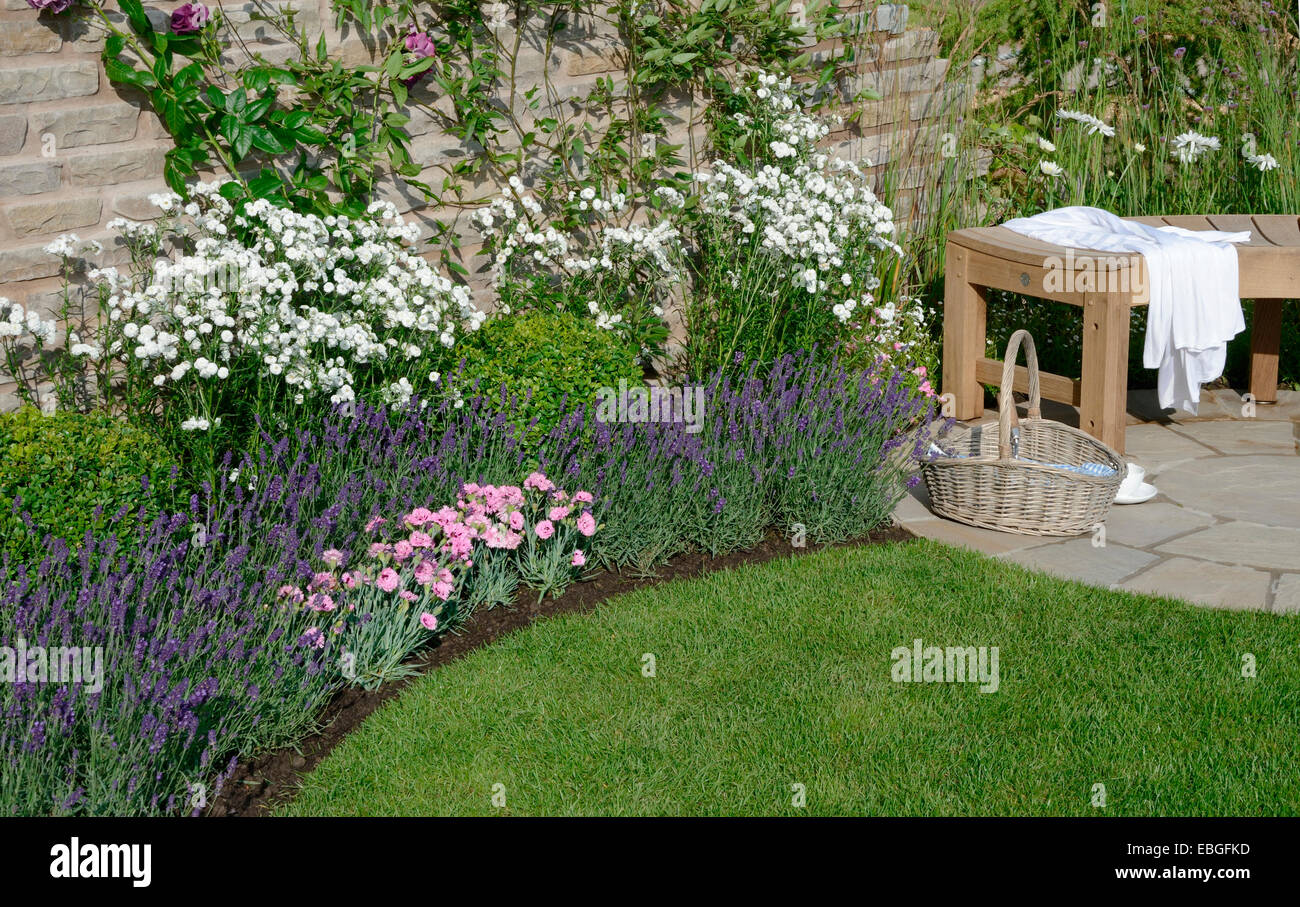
<point>1007,418</point>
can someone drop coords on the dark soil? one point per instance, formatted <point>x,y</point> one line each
<point>258,785</point>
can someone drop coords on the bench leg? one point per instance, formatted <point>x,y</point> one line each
<point>964,311</point>
<point>1265,344</point>
<point>1104,395</point>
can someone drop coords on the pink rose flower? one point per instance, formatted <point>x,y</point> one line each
<point>388,579</point>
<point>402,550</point>
<point>408,595</point>
<point>54,6</point>
<point>517,520</point>
<point>583,497</point>
<point>189,18</point>
<point>579,559</point>
<point>587,524</point>
<point>332,557</point>
<point>429,621</point>
<point>421,540</point>
<point>293,593</point>
<point>374,523</point>
<point>420,45</point>
<point>545,529</point>
<point>558,513</point>
<point>441,590</point>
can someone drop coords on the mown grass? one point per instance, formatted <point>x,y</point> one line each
<point>779,675</point>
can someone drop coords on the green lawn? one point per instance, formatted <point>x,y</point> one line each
<point>780,674</point>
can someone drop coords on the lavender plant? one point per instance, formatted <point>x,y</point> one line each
<point>203,665</point>
<point>802,442</point>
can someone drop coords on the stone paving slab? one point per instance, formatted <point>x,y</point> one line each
<point>915,506</point>
<point>1216,404</point>
<point>1144,525</point>
<point>1079,559</point>
<point>973,537</point>
<point>1286,594</point>
<point>1240,542</point>
<point>1223,532</point>
<point>1204,583</point>
<point>1158,448</point>
<point>1243,438</point>
<point>1259,489</point>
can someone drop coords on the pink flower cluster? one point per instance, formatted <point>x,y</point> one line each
<point>501,516</point>
<point>430,550</point>
<point>419,46</point>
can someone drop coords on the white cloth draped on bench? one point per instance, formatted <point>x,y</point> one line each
<point>1194,310</point>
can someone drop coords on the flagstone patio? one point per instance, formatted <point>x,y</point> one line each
<point>1224,530</point>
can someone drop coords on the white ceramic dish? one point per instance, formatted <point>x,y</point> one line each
<point>1133,490</point>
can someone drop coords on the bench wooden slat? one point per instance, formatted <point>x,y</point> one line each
<point>1279,229</point>
<point>1189,221</point>
<point>1149,220</point>
<point>1232,223</point>
<point>1053,387</point>
<point>1009,245</point>
<point>992,240</point>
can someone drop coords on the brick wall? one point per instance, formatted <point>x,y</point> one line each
<point>75,152</point>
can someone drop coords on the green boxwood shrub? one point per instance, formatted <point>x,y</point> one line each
<point>548,355</point>
<point>64,466</point>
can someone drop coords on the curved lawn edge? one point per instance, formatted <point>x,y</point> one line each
<point>777,675</point>
<point>260,782</point>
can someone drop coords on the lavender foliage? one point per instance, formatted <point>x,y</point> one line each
<point>199,665</point>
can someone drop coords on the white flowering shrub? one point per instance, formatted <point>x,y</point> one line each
<point>598,255</point>
<point>776,248</point>
<point>24,335</point>
<point>40,357</point>
<point>789,248</point>
<point>262,311</point>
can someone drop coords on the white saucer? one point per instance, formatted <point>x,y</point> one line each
<point>1143,493</point>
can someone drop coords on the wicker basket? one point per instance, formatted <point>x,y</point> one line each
<point>1010,479</point>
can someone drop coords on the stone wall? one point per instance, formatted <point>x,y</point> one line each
<point>75,152</point>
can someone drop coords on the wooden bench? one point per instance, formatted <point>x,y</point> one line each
<point>1105,285</point>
